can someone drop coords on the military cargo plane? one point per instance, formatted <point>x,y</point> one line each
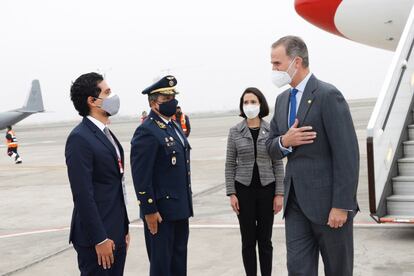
<point>33,104</point>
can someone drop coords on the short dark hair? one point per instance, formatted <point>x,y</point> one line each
<point>9,127</point>
<point>295,47</point>
<point>85,86</point>
<point>153,97</point>
<point>264,107</point>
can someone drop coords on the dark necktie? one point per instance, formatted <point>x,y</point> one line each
<point>292,113</point>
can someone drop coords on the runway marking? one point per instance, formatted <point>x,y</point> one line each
<point>29,144</point>
<point>360,225</point>
<point>281,225</point>
<point>210,190</point>
<point>52,230</point>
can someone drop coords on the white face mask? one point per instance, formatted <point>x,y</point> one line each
<point>282,78</point>
<point>251,110</point>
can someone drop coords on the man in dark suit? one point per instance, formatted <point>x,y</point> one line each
<point>313,128</point>
<point>160,162</point>
<point>95,162</point>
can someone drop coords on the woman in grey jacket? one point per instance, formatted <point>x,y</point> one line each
<point>254,182</point>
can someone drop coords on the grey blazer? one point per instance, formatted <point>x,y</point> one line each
<point>240,159</point>
<point>324,173</point>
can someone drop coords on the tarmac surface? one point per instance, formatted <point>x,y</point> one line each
<point>36,206</point>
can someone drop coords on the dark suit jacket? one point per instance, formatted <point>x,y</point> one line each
<point>160,166</point>
<point>96,182</point>
<point>325,173</point>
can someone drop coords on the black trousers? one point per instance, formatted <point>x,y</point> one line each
<point>88,262</point>
<point>305,239</point>
<point>11,150</point>
<point>167,250</point>
<point>256,224</point>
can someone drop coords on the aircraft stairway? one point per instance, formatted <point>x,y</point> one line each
<point>390,138</point>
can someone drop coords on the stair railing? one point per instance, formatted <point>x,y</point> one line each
<point>389,120</point>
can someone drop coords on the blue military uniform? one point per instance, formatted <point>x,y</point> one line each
<point>160,161</point>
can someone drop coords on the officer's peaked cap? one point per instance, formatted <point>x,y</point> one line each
<point>165,85</point>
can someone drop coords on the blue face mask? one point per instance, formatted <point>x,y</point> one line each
<point>168,108</point>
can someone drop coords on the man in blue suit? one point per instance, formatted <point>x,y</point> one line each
<point>160,161</point>
<point>95,162</point>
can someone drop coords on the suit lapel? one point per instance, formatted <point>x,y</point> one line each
<point>170,132</point>
<point>181,133</point>
<point>284,98</point>
<point>101,136</point>
<point>121,150</point>
<point>264,128</point>
<point>307,100</point>
<point>244,130</point>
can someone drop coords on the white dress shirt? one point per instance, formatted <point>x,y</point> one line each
<point>301,88</point>
<point>96,122</point>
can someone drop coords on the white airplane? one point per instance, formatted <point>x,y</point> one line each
<point>378,23</point>
<point>33,104</point>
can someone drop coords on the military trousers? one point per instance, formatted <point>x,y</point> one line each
<point>167,250</point>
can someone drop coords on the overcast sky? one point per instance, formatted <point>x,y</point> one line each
<point>215,49</point>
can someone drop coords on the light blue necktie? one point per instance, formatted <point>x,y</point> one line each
<point>292,113</point>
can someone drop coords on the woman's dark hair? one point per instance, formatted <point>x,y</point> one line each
<point>264,108</point>
<point>83,87</point>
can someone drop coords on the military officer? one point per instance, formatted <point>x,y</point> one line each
<point>160,162</point>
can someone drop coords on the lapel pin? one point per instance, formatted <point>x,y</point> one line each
<point>309,101</point>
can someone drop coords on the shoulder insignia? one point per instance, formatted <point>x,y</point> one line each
<point>160,124</point>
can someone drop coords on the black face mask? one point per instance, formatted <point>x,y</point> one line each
<point>168,108</point>
<point>179,113</point>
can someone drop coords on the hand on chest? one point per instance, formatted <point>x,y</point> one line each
<point>308,113</point>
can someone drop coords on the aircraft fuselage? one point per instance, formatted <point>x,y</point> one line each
<point>11,118</point>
